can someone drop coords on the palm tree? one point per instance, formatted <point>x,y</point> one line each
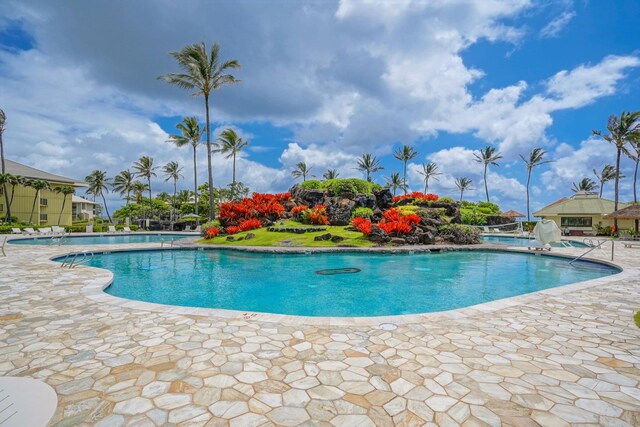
<point>14,180</point>
<point>536,157</point>
<point>463,184</point>
<point>122,183</point>
<point>488,156</point>
<point>404,154</point>
<point>231,144</point>
<point>586,184</point>
<point>138,188</point>
<point>624,130</point>
<point>191,134</point>
<point>65,191</point>
<point>331,174</point>
<point>203,72</point>
<point>608,173</point>
<point>635,156</point>
<point>369,164</point>
<point>394,182</point>
<point>144,168</point>
<point>3,121</point>
<point>38,185</point>
<point>429,170</point>
<point>302,170</point>
<point>172,171</point>
<point>98,185</point>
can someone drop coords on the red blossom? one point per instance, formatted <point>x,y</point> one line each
<point>363,225</point>
<point>233,229</point>
<point>211,232</point>
<point>250,224</point>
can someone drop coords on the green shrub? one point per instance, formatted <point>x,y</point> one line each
<point>408,209</point>
<point>431,213</point>
<point>312,184</point>
<point>446,199</point>
<point>362,213</point>
<point>460,234</point>
<point>472,218</point>
<point>336,187</point>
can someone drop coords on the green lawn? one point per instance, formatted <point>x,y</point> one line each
<point>272,238</point>
<point>636,317</point>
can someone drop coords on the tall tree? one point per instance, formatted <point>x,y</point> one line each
<point>634,154</point>
<point>38,185</point>
<point>585,184</point>
<point>203,71</point>
<point>138,188</point>
<point>3,121</point>
<point>98,185</point>
<point>123,183</point>
<point>191,134</point>
<point>607,174</point>
<point>536,158</point>
<point>301,170</point>
<point>331,174</point>
<point>369,164</point>
<point>144,168</point>
<point>429,170</point>
<point>172,171</point>
<point>622,131</point>
<point>65,191</point>
<point>14,180</point>
<point>231,144</point>
<point>404,154</point>
<point>463,184</point>
<point>395,182</point>
<point>487,156</point>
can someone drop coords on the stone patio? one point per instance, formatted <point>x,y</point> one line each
<point>565,356</point>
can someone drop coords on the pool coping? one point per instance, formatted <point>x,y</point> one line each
<point>94,289</point>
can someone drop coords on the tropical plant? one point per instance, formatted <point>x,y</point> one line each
<point>487,156</point>
<point>144,168</point>
<point>535,158</point>
<point>203,72</point>
<point>429,170</point>
<point>463,184</point>
<point>635,156</point>
<point>607,174</point>
<point>231,144</point>
<point>123,183</point>
<point>3,121</point>
<point>65,191</point>
<point>404,154</point>
<point>622,131</point>
<point>301,170</point>
<point>331,174</point>
<point>138,188</point>
<point>191,134</point>
<point>369,164</point>
<point>38,185</point>
<point>172,171</point>
<point>586,184</point>
<point>394,183</point>
<point>98,185</point>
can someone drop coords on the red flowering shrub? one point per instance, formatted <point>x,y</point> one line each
<point>250,224</point>
<point>416,195</point>
<point>232,229</point>
<point>361,224</point>
<point>299,209</point>
<point>391,215</point>
<point>397,227</point>
<point>317,215</point>
<point>259,206</point>
<point>396,223</point>
<point>211,232</point>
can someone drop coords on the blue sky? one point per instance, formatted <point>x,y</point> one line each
<point>324,82</point>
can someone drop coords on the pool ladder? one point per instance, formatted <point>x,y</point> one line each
<point>57,240</point>
<point>594,244</point>
<point>162,242</point>
<point>71,260</point>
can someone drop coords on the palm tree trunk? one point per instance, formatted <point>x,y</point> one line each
<point>195,183</point>
<point>234,169</point>
<point>635,180</point>
<point>486,188</point>
<point>150,201</point>
<point>64,201</point>
<point>173,205</point>
<point>528,181</point>
<point>6,194</point>
<point>601,188</point>
<point>615,190</point>
<point>13,191</point>
<point>210,171</point>
<point>404,177</point>
<point>461,193</point>
<point>105,207</point>
<point>128,195</point>
<point>33,207</point>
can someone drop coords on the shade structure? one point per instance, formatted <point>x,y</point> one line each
<point>512,214</point>
<point>630,212</point>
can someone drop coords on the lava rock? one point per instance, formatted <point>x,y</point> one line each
<point>398,241</point>
<point>230,238</point>
<point>383,197</point>
<point>322,237</point>
<point>378,235</point>
<point>249,236</point>
<point>337,239</point>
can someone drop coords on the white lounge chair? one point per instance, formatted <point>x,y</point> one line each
<point>29,230</point>
<point>57,230</point>
<point>112,229</point>
<point>187,228</point>
<point>15,230</point>
<point>44,230</point>
<point>538,246</point>
<point>126,229</point>
<point>631,244</point>
<point>485,229</point>
<point>496,230</point>
<point>198,229</point>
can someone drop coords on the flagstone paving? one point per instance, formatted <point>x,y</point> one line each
<point>569,356</point>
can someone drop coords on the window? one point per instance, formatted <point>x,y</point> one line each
<point>44,217</point>
<point>575,221</point>
<point>43,201</point>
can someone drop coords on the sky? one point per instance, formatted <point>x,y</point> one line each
<point>324,82</point>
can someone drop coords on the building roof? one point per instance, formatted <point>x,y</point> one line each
<point>630,212</point>
<point>581,203</point>
<point>15,168</point>
<point>512,214</point>
<point>78,199</point>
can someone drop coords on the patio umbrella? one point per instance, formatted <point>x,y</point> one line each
<point>630,212</point>
<point>512,214</point>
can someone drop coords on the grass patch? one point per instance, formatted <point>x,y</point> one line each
<point>636,318</point>
<point>273,238</point>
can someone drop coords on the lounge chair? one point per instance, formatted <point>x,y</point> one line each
<point>496,230</point>
<point>44,230</point>
<point>631,244</point>
<point>57,230</point>
<point>485,229</point>
<point>29,230</point>
<point>198,229</point>
<point>625,236</point>
<point>16,231</point>
<point>126,229</point>
<point>112,229</point>
<point>538,246</point>
<point>187,228</point>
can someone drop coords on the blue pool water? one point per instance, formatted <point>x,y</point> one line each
<point>312,285</point>
<point>523,241</point>
<point>102,239</point>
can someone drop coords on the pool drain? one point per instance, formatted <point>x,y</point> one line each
<point>332,271</point>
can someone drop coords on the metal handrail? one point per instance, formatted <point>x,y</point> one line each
<point>591,249</point>
<point>86,257</point>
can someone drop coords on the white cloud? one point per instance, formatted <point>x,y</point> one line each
<point>554,27</point>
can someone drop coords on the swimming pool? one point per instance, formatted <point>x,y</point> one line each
<point>102,239</point>
<point>524,241</point>
<point>335,284</point>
